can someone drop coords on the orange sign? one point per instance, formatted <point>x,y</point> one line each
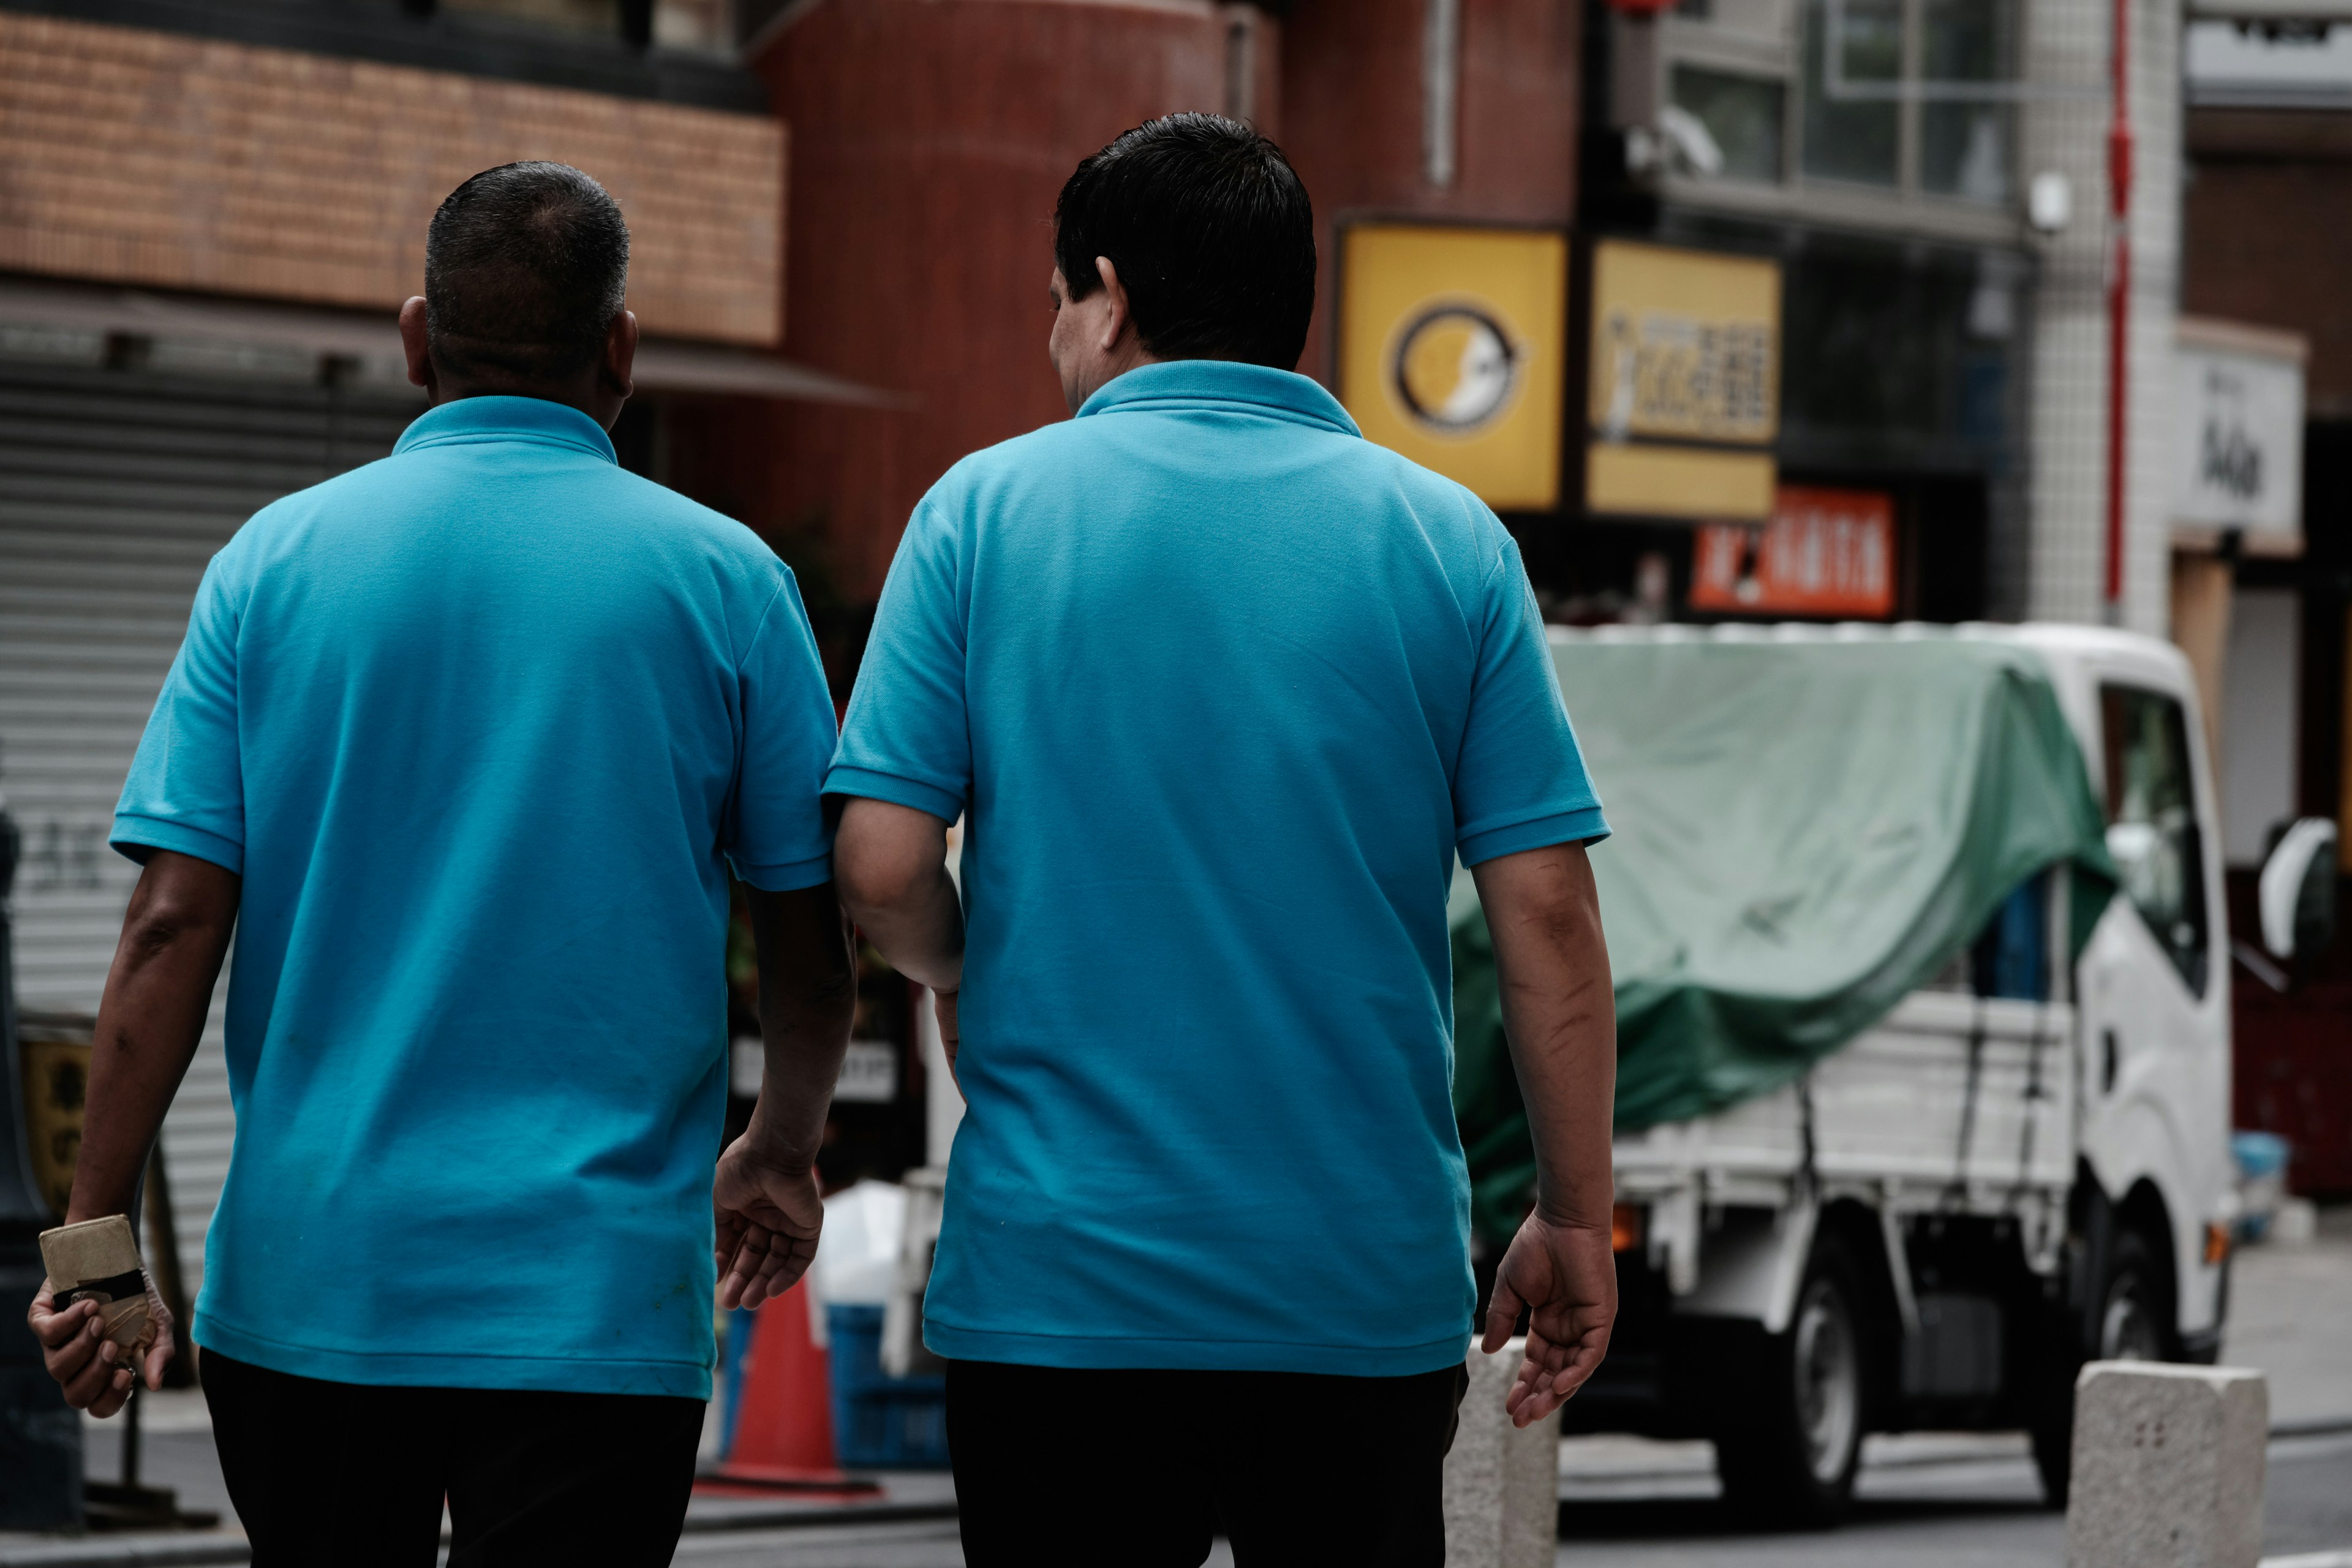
<point>1825,553</point>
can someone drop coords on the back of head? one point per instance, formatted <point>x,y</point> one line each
<point>1210,232</point>
<point>525,267</point>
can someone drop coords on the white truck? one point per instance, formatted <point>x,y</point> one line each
<point>1938,1221</point>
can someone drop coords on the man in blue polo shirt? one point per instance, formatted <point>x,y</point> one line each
<point>1221,690</point>
<point>464,744</point>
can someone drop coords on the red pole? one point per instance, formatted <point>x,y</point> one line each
<point>2120,181</point>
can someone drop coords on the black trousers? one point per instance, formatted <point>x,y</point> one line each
<point>355,1475</point>
<point>1055,1468</point>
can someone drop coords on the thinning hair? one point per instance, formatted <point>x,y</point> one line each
<point>525,267</point>
<point>1211,230</point>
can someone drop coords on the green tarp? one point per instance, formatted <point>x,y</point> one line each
<point>1805,832</point>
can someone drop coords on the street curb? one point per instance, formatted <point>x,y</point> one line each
<point>132,1551</point>
<point>2328,1428</point>
<point>192,1551</point>
<point>788,1517</point>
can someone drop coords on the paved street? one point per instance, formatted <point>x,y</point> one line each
<point>1928,1500</point>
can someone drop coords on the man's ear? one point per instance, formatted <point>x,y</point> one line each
<point>413,345</point>
<point>1116,321</point>
<point>619,362</point>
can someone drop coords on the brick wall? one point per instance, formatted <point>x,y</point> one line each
<point>130,156</point>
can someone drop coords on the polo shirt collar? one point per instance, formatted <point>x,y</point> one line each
<point>472,419</point>
<point>1207,383</point>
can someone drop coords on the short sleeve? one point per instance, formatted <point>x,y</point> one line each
<point>776,836</point>
<point>906,739</point>
<point>185,791</point>
<point>1519,783</point>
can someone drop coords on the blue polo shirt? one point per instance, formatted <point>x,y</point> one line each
<point>481,726</point>
<point>1221,690</point>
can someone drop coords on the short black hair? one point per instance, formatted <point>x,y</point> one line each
<point>525,267</point>
<point>1212,233</point>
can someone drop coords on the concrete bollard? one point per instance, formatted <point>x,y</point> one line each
<point>2168,1467</point>
<point>1502,1482</point>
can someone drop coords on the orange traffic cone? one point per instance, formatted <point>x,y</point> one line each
<point>783,1431</point>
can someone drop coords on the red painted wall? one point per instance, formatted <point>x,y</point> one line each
<point>929,139</point>
<point>1351,114</point>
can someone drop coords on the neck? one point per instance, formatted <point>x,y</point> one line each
<point>1110,369</point>
<point>584,393</point>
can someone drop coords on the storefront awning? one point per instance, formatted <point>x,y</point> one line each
<point>663,365</point>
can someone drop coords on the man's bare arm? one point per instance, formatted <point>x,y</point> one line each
<point>176,936</point>
<point>1560,1014</point>
<point>892,862</point>
<point>764,1200</point>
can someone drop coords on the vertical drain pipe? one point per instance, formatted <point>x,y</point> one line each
<point>1441,91</point>
<point>2119,183</point>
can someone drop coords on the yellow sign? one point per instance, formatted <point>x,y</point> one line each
<point>1696,482</point>
<point>1451,351</point>
<point>1685,347</point>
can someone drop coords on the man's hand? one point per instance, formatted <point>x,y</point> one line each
<point>1565,1277</point>
<point>764,1198</point>
<point>90,1367</point>
<point>768,1215</point>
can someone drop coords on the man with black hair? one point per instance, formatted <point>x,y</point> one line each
<point>462,744</point>
<point>1221,692</point>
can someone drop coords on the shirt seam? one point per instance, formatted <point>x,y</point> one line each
<point>1162,403</point>
<point>848,767</point>
<point>760,629</point>
<point>485,437</point>
<point>219,1320</point>
<point>1542,814</point>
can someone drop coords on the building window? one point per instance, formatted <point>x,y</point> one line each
<point>1856,141</point>
<point>1741,117</point>
<point>1742,75</point>
<point>1964,148</point>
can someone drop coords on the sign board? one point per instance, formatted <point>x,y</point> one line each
<point>869,1070</point>
<point>1825,553</point>
<point>1683,394</point>
<point>2237,446</point>
<point>1451,351</point>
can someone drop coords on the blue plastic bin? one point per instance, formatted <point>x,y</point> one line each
<point>881,1423</point>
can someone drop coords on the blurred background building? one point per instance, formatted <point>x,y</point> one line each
<point>1744,309</point>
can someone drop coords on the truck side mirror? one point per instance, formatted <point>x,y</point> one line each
<point>2297,892</point>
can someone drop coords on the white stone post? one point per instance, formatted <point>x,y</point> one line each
<point>1502,1482</point>
<point>2168,1467</point>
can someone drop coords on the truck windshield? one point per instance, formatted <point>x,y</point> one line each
<point>2152,822</point>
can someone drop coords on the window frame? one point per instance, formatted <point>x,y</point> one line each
<point>2197,903</point>
<point>1692,35</point>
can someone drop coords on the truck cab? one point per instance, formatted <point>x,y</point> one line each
<point>2152,989</point>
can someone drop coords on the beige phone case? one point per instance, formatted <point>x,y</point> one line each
<point>99,1260</point>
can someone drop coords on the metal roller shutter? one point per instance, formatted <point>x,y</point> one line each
<point>116,488</point>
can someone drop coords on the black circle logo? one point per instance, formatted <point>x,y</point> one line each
<point>1454,368</point>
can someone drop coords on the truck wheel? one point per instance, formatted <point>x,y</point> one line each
<point>1792,1461</point>
<point>2132,1313</point>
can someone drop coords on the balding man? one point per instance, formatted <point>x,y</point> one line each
<point>463,745</point>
